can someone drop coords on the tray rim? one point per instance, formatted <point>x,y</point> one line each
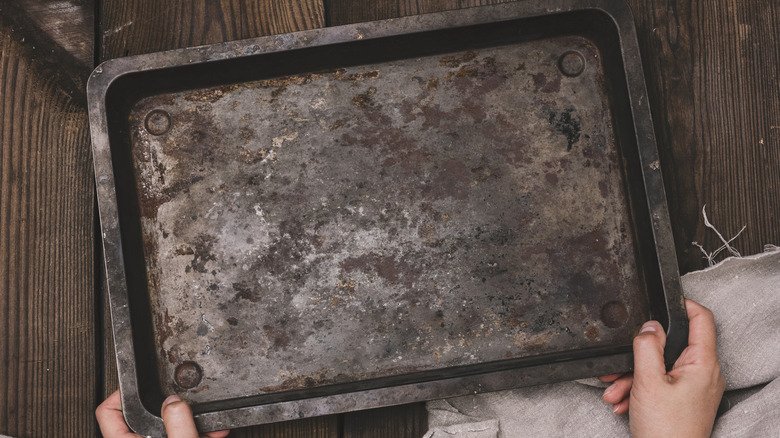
<point>139,418</point>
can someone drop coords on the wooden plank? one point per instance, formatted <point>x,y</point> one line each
<point>318,427</point>
<point>394,422</point>
<point>47,333</point>
<point>143,26</point>
<point>355,11</point>
<point>712,73</point>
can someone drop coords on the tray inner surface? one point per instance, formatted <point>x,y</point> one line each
<point>379,220</point>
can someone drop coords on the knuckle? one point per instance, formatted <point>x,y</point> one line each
<point>645,340</point>
<point>177,409</point>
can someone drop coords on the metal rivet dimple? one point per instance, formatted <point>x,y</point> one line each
<point>157,122</point>
<point>571,63</point>
<point>614,314</point>
<point>188,375</point>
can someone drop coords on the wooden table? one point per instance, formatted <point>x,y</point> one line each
<point>711,68</point>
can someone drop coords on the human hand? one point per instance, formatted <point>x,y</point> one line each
<point>681,402</point>
<point>176,415</point>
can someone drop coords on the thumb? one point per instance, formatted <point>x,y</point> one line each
<point>649,352</point>
<point>178,420</point>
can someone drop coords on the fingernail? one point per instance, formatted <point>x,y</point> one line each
<point>649,326</point>
<point>171,399</point>
<point>615,409</point>
<point>609,389</point>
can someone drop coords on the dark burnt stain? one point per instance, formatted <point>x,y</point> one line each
<point>202,246</point>
<point>293,243</point>
<point>278,337</point>
<point>244,292</point>
<point>389,268</point>
<point>377,131</point>
<point>201,140</point>
<point>355,78</point>
<point>551,178</point>
<point>604,189</point>
<point>232,321</point>
<point>210,95</point>
<point>365,100</point>
<point>337,124</point>
<point>164,323</point>
<point>614,314</point>
<point>452,180</point>
<point>541,83</point>
<point>474,110</point>
<point>593,242</point>
<point>581,285</point>
<point>246,134</point>
<point>184,250</point>
<point>567,123</point>
<point>507,139</point>
<point>149,203</point>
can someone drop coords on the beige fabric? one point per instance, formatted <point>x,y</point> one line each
<point>743,294</point>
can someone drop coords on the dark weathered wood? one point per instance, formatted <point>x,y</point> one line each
<point>47,333</point>
<point>355,11</point>
<point>319,427</point>
<point>394,422</point>
<point>68,24</point>
<point>143,26</point>
<point>712,74</point>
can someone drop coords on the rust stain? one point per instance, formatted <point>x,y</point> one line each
<point>456,61</point>
<point>210,95</point>
<point>592,333</point>
<point>387,267</point>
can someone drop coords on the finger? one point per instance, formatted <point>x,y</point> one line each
<point>610,378</point>
<point>621,408</point>
<point>217,434</point>
<point>619,390</point>
<point>649,352</point>
<point>110,419</point>
<point>701,326</point>
<point>178,420</point>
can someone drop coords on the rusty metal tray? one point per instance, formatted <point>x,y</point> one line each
<point>381,213</point>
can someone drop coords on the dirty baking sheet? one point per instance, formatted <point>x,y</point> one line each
<point>382,219</point>
<point>370,225</point>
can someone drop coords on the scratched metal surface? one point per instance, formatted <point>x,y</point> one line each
<point>382,219</point>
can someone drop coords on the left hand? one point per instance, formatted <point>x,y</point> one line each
<point>176,415</point>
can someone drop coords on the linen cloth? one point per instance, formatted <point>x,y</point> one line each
<point>744,296</point>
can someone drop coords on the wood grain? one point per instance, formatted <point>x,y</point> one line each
<point>355,11</point>
<point>143,26</point>
<point>712,69</point>
<point>47,333</point>
<point>68,24</point>
<point>394,422</point>
<point>319,427</point>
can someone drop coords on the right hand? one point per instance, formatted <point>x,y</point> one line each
<point>682,402</point>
